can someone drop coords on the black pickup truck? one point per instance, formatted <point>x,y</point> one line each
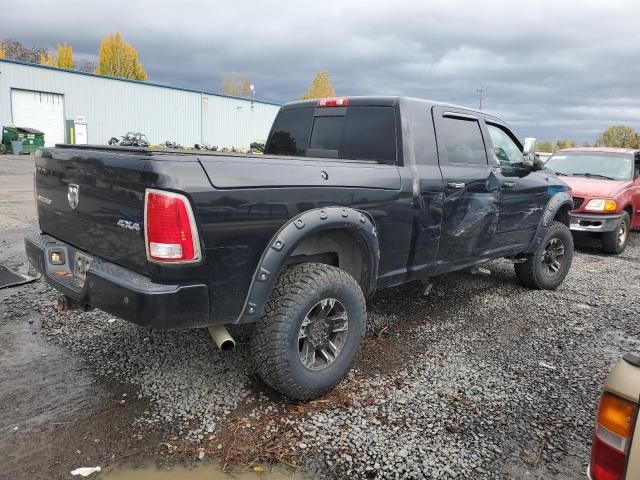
<point>352,195</point>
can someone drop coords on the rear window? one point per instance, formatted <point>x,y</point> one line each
<point>362,133</point>
<point>327,133</point>
<point>291,132</point>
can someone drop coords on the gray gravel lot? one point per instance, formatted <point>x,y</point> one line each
<point>481,379</point>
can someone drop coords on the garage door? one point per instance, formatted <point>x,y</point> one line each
<point>40,110</point>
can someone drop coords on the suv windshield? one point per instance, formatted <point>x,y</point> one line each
<point>354,133</point>
<point>611,166</point>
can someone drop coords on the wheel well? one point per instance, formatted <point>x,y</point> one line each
<point>341,248</point>
<point>629,210</point>
<point>562,215</point>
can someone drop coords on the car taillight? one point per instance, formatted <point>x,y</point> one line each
<point>170,229</point>
<point>614,428</point>
<point>333,102</point>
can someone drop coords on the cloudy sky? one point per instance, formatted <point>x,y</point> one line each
<point>551,68</point>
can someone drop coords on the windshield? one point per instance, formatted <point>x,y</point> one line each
<point>611,166</point>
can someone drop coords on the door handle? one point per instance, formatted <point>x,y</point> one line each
<point>456,185</point>
<point>509,185</point>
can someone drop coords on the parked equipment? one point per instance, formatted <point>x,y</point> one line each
<point>205,146</point>
<point>131,139</point>
<point>174,145</point>
<point>26,140</point>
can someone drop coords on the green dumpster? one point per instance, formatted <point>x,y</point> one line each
<point>31,139</point>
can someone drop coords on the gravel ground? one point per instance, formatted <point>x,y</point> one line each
<point>481,379</point>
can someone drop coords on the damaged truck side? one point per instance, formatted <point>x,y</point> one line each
<point>352,195</point>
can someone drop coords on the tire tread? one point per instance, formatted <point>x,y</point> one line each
<point>269,342</point>
<point>609,240</point>
<point>529,273</point>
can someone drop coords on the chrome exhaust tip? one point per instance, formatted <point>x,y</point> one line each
<point>221,338</point>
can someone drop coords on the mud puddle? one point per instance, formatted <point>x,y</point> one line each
<point>199,472</point>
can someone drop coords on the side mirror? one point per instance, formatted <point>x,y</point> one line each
<point>529,146</point>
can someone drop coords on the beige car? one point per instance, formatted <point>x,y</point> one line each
<point>615,454</point>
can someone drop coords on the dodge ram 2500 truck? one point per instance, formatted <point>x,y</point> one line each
<point>352,195</point>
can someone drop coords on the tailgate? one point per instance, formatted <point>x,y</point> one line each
<point>94,201</point>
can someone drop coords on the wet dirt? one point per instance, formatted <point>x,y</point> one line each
<point>197,472</point>
<point>55,415</point>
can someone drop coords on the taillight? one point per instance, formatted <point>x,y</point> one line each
<point>614,428</point>
<point>333,102</point>
<point>170,229</point>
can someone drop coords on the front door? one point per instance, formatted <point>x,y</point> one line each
<point>523,194</point>
<point>471,195</point>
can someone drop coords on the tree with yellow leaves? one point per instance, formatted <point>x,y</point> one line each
<point>320,87</point>
<point>119,59</point>
<point>64,59</point>
<point>236,85</point>
<point>48,59</point>
<point>3,52</point>
<point>65,56</point>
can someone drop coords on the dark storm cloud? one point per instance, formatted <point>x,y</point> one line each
<point>551,68</point>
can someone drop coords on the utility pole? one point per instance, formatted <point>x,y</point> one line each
<point>481,92</point>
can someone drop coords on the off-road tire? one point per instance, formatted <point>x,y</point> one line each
<point>275,343</point>
<point>611,240</point>
<point>532,274</point>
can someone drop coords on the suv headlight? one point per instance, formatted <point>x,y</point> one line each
<point>601,205</point>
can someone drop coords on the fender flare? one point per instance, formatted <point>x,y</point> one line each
<point>554,205</point>
<point>290,235</point>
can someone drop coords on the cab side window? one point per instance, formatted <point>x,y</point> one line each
<point>505,151</point>
<point>461,141</point>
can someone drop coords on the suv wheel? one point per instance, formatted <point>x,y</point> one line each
<point>311,331</point>
<point>616,240</point>
<point>548,266</point>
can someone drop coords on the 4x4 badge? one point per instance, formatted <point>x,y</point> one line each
<point>73,195</point>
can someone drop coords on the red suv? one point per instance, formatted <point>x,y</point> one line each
<point>605,185</point>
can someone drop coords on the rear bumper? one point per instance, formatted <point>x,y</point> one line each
<point>591,222</point>
<point>119,291</point>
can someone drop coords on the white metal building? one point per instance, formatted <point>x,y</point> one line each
<point>44,98</point>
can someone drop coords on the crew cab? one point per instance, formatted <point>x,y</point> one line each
<point>352,195</point>
<point>605,184</point>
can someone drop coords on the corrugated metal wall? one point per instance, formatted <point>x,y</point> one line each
<point>112,107</point>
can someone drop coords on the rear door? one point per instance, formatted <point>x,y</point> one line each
<point>471,195</point>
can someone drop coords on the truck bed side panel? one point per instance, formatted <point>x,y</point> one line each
<point>237,223</point>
